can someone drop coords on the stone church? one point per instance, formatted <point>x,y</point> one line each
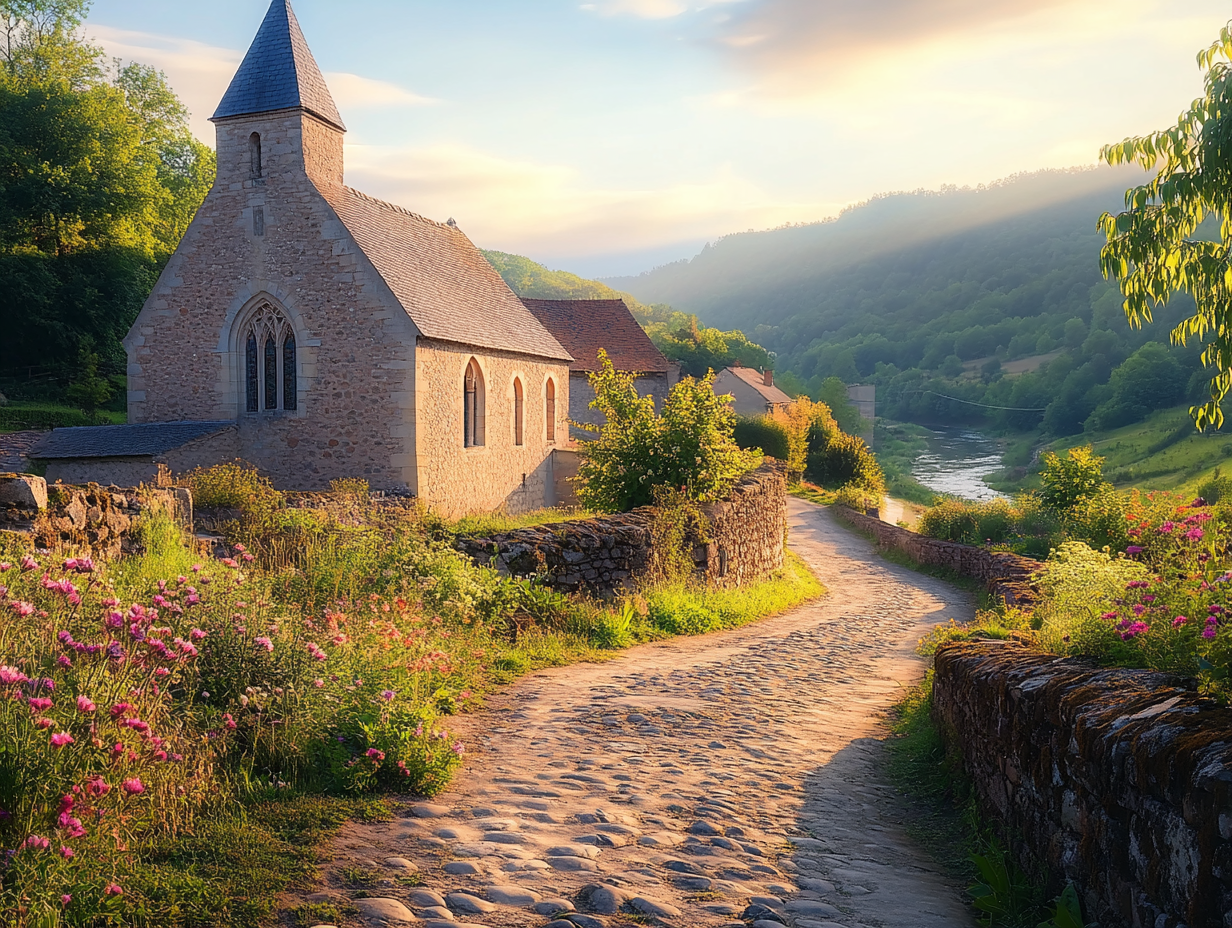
<point>320,333</point>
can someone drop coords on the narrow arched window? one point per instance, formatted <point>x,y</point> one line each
<point>550,409</point>
<point>472,409</point>
<point>518,408</point>
<point>254,154</point>
<point>251,379</point>
<point>290,386</point>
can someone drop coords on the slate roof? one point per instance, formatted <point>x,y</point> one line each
<point>442,280</point>
<point>585,326</point>
<point>122,441</point>
<point>756,380</point>
<point>279,73</point>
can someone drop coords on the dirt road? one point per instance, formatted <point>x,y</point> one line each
<point>689,780</point>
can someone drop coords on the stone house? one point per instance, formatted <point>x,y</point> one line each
<point>584,327</point>
<point>753,392</point>
<point>335,334</point>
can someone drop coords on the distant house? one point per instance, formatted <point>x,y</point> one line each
<point>583,327</point>
<point>754,391</point>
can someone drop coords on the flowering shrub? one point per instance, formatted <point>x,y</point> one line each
<point>120,717</point>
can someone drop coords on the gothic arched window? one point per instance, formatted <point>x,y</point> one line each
<point>271,371</point>
<point>550,409</point>
<point>473,406</point>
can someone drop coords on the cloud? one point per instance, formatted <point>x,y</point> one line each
<point>351,91</point>
<point>541,208</point>
<point>642,9</point>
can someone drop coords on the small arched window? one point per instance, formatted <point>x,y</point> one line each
<point>271,369</point>
<point>518,409</point>
<point>472,409</point>
<point>550,409</point>
<point>254,154</point>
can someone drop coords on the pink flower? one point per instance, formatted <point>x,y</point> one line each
<point>98,787</point>
<point>28,563</point>
<point>376,755</point>
<point>64,660</point>
<point>1105,615</point>
<point>113,890</point>
<point>22,609</point>
<point>11,675</point>
<point>65,899</point>
<point>5,566</point>
<point>62,739</point>
<point>1194,534</point>
<point>458,748</point>
<point>43,723</point>
<point>1166,528</point>
<point>39,704</point>
<point>318,683</point>
<point>197,634</point>
<point>84,705</point>
<point>67,854</point>
<point>264,643</point>
<point>388,695</point>
<point>229,562</point>
<point>1132,550</point>
<point>1208,632</point>
<point>36,843</point>
<point>1179,621</point>
<point>133,787</point>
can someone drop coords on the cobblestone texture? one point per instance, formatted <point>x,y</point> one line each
<point>692,782</point>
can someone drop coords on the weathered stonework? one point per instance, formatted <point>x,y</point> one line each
<point>90,520</point>
<point>744,542</point>
<point>1008,576</point>
<point>1117,780</point>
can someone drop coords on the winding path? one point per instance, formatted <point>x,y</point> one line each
<point>689,780</point>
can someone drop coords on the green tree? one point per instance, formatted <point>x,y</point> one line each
<point>689,447</point>
<point>1155,247</point>
<point>833,392</point>
<point>90,390</point>
<point>1070,480</point>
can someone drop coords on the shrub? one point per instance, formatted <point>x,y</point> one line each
<point>857,498</point>
<point>764,434</point>
<point>690,446</point>
<point>1070,480</point>
<point>836,459</point>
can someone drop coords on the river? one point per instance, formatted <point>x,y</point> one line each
<point>956,462</point>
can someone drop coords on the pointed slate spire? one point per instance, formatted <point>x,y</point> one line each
<point>279,73</point>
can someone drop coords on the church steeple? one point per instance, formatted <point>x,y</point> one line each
<point>279,73</point>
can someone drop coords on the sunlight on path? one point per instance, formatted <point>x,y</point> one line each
<point>690,779</point>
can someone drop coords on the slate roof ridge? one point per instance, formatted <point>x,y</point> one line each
<point>131,439</point>
<point>400,209</point>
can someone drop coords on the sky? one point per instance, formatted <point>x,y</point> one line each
<point>611,136</point>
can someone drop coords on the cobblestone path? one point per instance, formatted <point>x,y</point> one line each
<point>697,782</point>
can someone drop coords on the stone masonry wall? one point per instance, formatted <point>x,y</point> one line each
<point>745,542</point>
<point>1119,780</point>
<point>1008,576</point>
<point>89,520</point>
<point>355,344</point>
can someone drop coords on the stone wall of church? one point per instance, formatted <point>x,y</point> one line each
<point>457,480</point>
<point>352,418</point>
<point>581,394</point>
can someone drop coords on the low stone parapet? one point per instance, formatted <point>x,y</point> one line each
<point>1005,575</point>
<point>744,541</point>
<point>1117,780</point>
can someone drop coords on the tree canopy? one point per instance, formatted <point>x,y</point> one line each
<point>1175,234</point>
<point>99,178</point>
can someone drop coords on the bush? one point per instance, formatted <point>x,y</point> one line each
<point>835,458</point>
<point>1023,526</point>
<point>690,446</point>
<point>764,434</point>
<point>43,418</point>
<point>1072,479</point>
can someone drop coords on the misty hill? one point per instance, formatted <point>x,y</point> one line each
<point>909,289</point>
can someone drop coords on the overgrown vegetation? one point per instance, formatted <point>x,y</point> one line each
<point>219,717</point>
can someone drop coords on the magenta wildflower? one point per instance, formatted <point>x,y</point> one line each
<point>1179,621</point>
<point>1166,528</point>
<point>133,787</point>
<point>61,739</point>
<point>39,703</point>
<point>458,748</point>
<point>375,755</point>
<point>1194,534</point>
<point>1132,550</point>
<point>22,609</point>
<point>113,890</point>
<point>264,642</point>
<point>1208,632</point>
<point>98,787</point>
<point>28,563</point>
<point>85,705</point>
<point>36,843</point>
<point>388,695</point>
<point>66,899</point>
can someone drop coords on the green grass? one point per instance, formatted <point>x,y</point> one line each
<point>898,444</point>
<point>813,493</point>
<point>19,416</point>
<point>1164,452</point>
<point>495,523</point>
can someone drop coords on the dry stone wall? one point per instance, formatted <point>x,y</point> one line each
<point>1118,780</point>
<point>89,520</point>
<point>744,542</point>
<point>1008,576</point>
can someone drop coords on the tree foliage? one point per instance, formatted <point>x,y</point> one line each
<point>1070,480</point>
<point>689,447</point>
<point>99,178</point>
<point>1156,247</point>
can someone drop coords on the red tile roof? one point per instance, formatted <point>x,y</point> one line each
<point>441,279</point>
<point>585,326</point>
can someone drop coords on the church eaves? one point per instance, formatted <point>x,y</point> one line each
<point>279,73</point>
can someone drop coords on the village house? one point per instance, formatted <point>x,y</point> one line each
<point>584,327</point>
<point>753,392</point>
<point>320,333</point>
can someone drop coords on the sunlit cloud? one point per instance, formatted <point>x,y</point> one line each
<point>537,208</point>
<point>643,9</point>
<point>353,92</point>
